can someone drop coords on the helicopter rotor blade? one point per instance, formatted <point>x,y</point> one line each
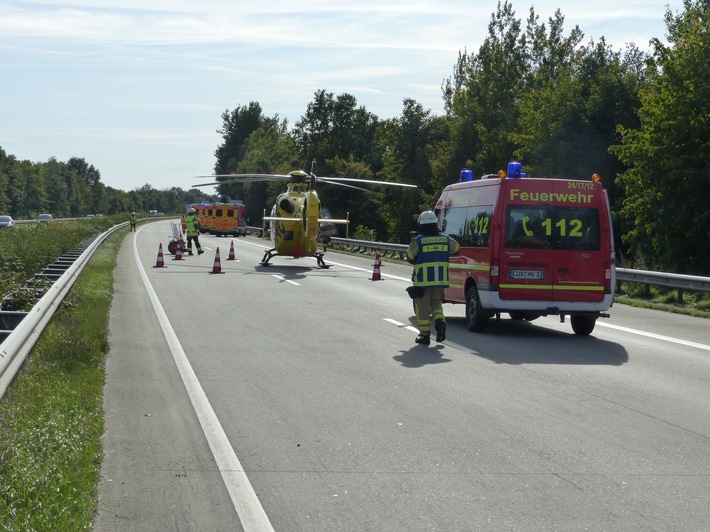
<point>365,181</point>
<point>298,176</point>
<point>326,180</point>
<point>242,178</point>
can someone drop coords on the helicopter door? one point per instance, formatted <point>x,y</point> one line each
<point>311,212</point>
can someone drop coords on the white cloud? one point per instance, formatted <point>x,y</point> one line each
<point>94,77</point>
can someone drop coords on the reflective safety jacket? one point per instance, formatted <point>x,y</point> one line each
<point>430,256</point>
<point>191,225</point>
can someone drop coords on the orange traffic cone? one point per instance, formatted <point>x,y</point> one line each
<point>217,266</point>
<point>231,252</point>
<point>378,263</point>
<point>160,263</point>
<point>178,250</point>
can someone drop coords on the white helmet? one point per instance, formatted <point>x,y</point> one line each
<point>427,217</point>
<point>191,211</point>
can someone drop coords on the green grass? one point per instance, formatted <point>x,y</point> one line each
<point>51,419</point>
<point>692,303</point>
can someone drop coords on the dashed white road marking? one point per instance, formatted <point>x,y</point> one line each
<point>460,347</point>
<point>401,325</point>
<point>697,345</point>
<point>282,278</point>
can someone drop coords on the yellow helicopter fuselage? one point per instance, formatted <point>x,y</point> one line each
<point>294,221</point>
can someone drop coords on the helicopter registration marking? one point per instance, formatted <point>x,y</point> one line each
<point>281,277</point>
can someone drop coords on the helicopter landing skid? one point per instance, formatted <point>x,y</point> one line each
<point>271,253</point>
<point>268,255</point>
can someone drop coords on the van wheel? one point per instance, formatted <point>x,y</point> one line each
<point>582,325</point>
<point>476,320</point>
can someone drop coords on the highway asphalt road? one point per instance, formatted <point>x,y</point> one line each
<point>293,398</point>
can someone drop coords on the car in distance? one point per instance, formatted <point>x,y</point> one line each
<point>6,221</point>
<point>44,218</point>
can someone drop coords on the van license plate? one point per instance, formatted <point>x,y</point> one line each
<point>527,274</point>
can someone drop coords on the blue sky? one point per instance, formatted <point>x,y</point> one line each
<point>137,88</point>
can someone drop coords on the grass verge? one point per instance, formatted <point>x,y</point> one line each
<point>696,304</point>
<point>51,418</point>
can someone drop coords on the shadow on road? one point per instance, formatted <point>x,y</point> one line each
<point>422,355</point>
<point>509,341</point>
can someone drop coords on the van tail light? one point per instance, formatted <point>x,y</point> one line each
<point>607,277</point>
<point>495,271</point>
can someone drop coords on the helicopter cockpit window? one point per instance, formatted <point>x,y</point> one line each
<point>470,226</point>
<point>286,206</point>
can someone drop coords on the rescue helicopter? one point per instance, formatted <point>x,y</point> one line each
<point>295,220</point>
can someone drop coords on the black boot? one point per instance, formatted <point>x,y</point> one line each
<point>423,339</point>
<point>440,330</point>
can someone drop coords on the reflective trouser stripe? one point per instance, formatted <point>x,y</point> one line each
<point>429,307</point>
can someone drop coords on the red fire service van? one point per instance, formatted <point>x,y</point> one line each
<point>530,247</point>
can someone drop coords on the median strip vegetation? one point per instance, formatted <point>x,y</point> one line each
<point>51,418</point>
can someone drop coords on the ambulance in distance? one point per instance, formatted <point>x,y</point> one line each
<point>530,247</point>
<point>221,219</point>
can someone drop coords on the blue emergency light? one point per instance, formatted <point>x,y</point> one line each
<point>466,175</point>
<point>515,169</point>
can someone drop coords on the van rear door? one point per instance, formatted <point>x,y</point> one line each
<point>579,227</point>
<point>555,243</point>
<point>526,251</point>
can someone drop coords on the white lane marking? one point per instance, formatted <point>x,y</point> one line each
<point>618,327</point>
<point>382,274</point>
<point>339,264</point>
<point>282,278</point>
<point>460,347</point>
<point>402,325</point>
<point>656,336</point>
<point>251,514</point>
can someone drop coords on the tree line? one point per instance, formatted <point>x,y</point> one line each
<point>74,189</point>
<point>533,92</point>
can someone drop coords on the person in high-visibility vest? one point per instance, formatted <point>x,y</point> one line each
<point>133,221</point>
<point>192,228</point>
<point>429,253</point>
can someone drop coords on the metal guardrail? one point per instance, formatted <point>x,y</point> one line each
<point>15,348</point>
<point>671,280</point>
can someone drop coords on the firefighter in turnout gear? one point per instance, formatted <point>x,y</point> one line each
<point>429,253</point>
<point>192,228</point>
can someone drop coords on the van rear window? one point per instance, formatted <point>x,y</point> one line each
<point>470,226</point>
<point>552,227</point>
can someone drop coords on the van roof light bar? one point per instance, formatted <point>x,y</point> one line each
<point>515,170</point>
